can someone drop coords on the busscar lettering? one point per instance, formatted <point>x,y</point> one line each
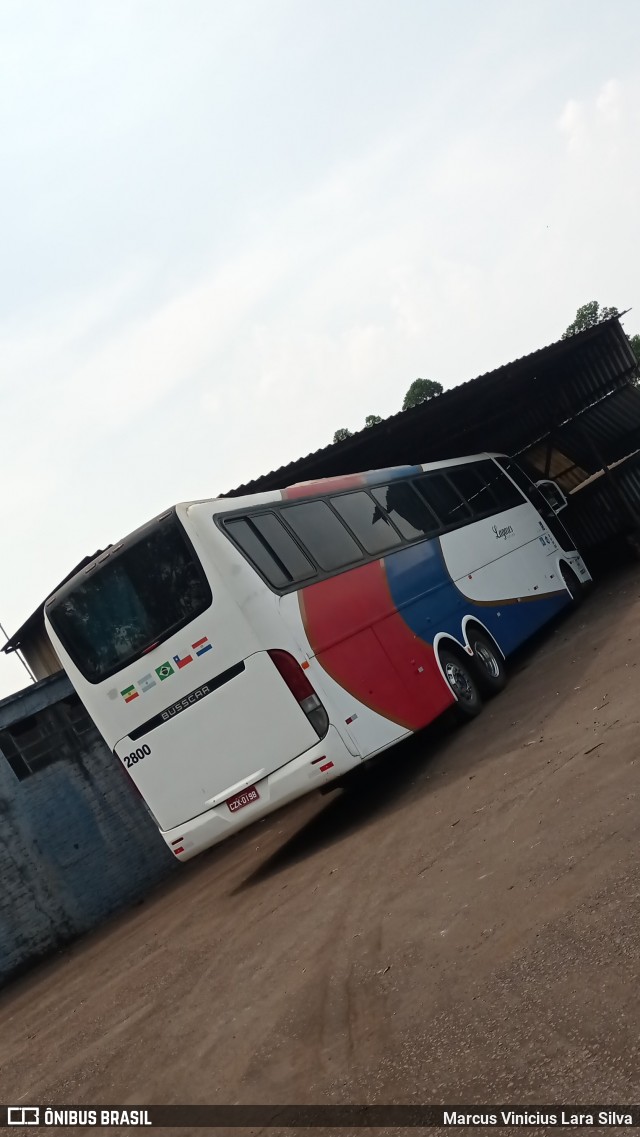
<point>184,704</point>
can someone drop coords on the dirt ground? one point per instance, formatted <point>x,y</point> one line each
<point>461,927</point>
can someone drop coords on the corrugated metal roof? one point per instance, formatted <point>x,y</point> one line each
<point>552,393</point>
<point>613,424</point>
<point>628,478</point>
<point>606,431</point>
<point>507,409</point>
<point>599,511</point>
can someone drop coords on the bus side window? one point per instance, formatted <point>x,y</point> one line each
<point>522,480</point>
<point>442,497</point>
<point>280,542</point>
<point>322,533</point>
<point>363,517</point>
<point>408,511</point>
<point>277,571</point>
<point>505,493</point>
<point>471,485</point>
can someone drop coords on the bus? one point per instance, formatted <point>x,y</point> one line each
<point>236,653</point>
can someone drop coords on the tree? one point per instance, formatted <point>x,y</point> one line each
<point>419,391</point>
<point>591,314</point>
<point>588,316</point>
<point>372,420</point>
<point>341,434</point>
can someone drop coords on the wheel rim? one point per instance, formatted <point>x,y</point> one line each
<point>487,659</point>
<point>459,681</point>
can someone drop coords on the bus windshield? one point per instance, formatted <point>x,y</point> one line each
<point>138,597</point>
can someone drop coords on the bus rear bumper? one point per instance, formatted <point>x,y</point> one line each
<point>322,764</point>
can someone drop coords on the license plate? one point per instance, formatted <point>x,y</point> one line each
<point>238,801</point>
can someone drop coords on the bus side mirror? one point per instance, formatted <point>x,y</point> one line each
<point>553,495</point>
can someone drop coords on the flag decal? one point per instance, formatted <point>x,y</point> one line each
<point>164,671</point>
<point>147,682</point>
<point>130,693</point>
<point>182,662</point>
<point>200,646</point>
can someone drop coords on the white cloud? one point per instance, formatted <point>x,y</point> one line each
<point>573,123</point>
<point>609,102</point>
<point>600,127</point>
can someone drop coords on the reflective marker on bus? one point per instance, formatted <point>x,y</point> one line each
<point>237,653</point>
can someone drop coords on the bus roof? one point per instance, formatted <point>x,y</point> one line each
<point>338,483</point>
<point>297,491</point>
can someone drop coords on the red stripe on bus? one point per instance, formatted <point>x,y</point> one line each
<point>359,637</point>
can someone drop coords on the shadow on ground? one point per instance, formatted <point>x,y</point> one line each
<point>381,784</point>
<point>375,787</point>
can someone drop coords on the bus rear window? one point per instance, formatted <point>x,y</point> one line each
<point>137,598</point>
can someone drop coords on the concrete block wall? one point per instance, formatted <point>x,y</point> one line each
<point>76,843</point>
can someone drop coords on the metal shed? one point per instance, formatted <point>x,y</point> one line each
<point>570,408</point>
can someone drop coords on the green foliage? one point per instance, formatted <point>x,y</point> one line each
<point>344,432</point>
<point>587,316</point>
<point>423,389</point>
<point>591,314</point>
<point>419,391</point>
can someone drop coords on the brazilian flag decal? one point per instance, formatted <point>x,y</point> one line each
<point>164,671</point>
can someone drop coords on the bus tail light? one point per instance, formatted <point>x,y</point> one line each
<point>301,689</point>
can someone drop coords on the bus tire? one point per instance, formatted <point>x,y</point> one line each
<point>572,585</point>
<point>489,664</point>
<point>460,675</point>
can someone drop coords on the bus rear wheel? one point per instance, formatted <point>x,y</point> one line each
<point>461,678</point>
<point>489,664</point>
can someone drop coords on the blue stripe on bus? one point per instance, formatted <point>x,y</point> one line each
<point>429,601</point>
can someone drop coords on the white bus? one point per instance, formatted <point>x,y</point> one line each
<point>237,653</point>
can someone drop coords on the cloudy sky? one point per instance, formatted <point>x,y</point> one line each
<point>231,226</point>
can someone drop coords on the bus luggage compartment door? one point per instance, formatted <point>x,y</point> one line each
<point>199,750</point>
